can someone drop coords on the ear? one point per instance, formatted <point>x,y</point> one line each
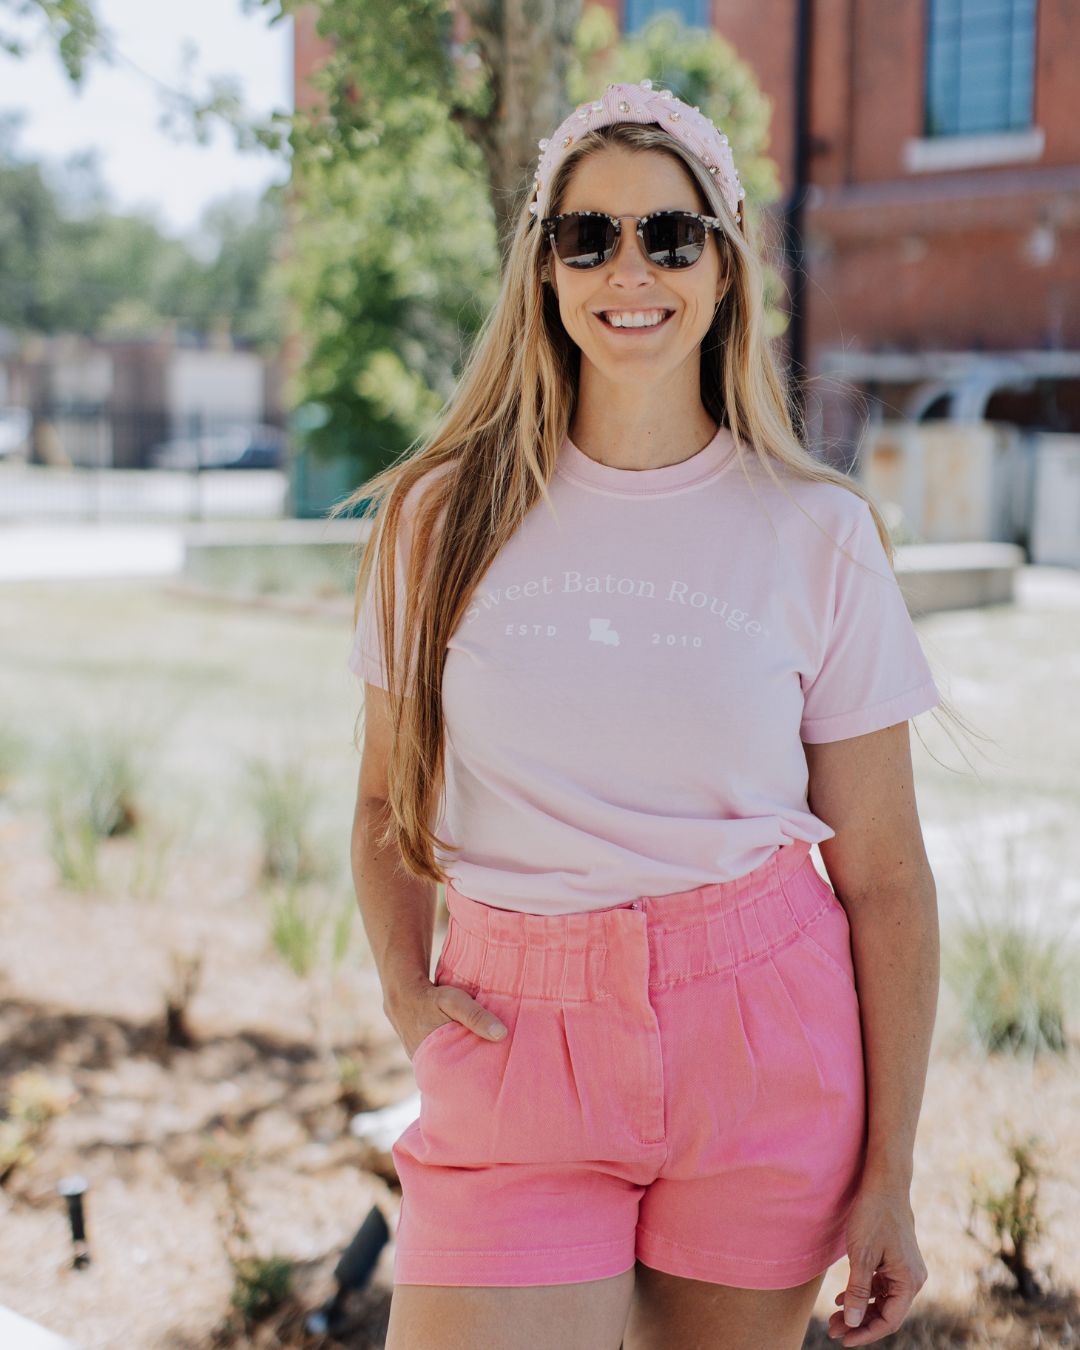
<point>548,274</point>
<point>723,282</point>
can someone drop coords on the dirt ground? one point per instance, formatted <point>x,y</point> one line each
<point>249,1121</point>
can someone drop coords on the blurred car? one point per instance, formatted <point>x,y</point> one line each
<point>247,447</point>
<point>15,425</point>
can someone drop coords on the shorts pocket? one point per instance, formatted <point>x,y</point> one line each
<point>432,1036</point>
<point>829,934</point>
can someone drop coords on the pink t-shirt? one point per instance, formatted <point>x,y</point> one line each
<point>627,695</point>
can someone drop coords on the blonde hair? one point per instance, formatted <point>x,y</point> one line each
<point>496,445</point>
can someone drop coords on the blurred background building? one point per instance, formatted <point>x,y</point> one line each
<point>930,159</point>
<point>938,150</point>
<point>928,215</point>
<point>169,400</point>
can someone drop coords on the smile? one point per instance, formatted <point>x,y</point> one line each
<point>634,318</point>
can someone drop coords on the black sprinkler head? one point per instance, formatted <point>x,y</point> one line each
<point>73,1189</point>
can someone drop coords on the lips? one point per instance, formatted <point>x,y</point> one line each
<point>637,319</point>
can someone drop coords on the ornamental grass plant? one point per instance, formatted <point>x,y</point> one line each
<point>1012,961</point>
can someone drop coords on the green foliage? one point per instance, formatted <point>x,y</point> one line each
<point>1012,983</point>
<point>397,50</point>
<point>394,267</point>
<point>92,793</point>
<point>699,67</point>
<point>284,799</point>
<point>395,261</point>
<point>33,1101</point>
<point>73,846</point>
<point>261,1284</point>
<point>297,921</point>
<point>341,938</point>
<point>1012,1213</point>
<point>70,24</point>
<point>304,930</point>
<point>13,749</point>
<point>74,266</point>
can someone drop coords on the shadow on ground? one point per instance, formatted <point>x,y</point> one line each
<point>1000,1322</point>
<point>365,1328</point>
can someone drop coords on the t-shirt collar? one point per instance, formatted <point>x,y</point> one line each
<point>690,473</point>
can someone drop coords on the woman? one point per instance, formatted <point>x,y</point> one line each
<point>629,651</point>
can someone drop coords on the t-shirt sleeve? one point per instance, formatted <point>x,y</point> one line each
<point>367,657</point>
<point>873,672</point>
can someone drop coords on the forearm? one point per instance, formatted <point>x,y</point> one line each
<point>894,941</point>
<point>398,910</point>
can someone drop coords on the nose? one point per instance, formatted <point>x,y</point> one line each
<point>630,268</point>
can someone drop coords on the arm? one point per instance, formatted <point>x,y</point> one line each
<point>862,788</point>
<point>398,910</point>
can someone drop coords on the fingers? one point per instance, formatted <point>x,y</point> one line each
<point>456,1003</point>
<point>859,1291</point>
<point>880,1311</point>
<point>882,1317</point>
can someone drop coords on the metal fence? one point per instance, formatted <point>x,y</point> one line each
<point>97,436</point>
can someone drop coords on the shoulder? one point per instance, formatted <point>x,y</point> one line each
<point>829,510</point>
<point>411,492</point>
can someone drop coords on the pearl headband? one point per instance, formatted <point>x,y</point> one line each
<point>641,104</point>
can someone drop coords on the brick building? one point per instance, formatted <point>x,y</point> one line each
<point>940,177</point>
<point>931,149</point>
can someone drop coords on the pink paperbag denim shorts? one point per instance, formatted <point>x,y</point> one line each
<point>682,1084</point>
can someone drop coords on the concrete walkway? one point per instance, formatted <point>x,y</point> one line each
<point>19,1333</point>
<point>77,551</point>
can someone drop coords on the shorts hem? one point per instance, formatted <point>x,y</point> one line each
<point>736,1272</point>
<point>514,1269</point>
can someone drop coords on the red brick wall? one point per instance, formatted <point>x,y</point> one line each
<point>763,33</point>
<point>984,259</point>
<point>1057,80</point>
<point>309,52</point>
<point>972,289</point>
<point>831,91</point>
<point>887,106</point>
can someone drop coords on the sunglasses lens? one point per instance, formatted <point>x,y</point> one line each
<point>674,239</point>
<point>584,241</point>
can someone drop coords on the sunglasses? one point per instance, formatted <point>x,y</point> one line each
<point>669,239</point>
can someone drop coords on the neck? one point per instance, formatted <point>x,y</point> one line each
<point>629,426</point>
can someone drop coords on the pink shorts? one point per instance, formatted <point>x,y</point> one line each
<point>682,1084</point>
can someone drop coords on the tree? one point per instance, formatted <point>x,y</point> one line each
<point>395,208</point>
<point>71,24</point>
<point>525,49</point>
<point>699,67</point>
<point>505,85</point>
<point>68,264</point>
<point>73,27</point>
<point>394,266</point>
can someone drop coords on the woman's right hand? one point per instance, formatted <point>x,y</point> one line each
<point>417,1010</point>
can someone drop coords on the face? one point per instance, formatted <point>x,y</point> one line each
<point>636,323</point>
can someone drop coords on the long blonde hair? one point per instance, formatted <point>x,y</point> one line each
<point>496,446</point>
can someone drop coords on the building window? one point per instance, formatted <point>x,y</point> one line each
<point>980,66</point>
<point>637,13</point>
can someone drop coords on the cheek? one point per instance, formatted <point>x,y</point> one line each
<point>572,304</point>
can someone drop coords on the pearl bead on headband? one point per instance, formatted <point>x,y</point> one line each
<point>642,104</point>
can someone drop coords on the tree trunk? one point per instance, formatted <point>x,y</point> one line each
<point>525,47</point>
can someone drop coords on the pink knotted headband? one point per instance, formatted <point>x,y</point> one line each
<point>643,104</point>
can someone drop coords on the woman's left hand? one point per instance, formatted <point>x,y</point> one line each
<point>887,1268</point>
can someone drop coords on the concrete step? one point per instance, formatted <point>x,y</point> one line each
<point>934,577</point>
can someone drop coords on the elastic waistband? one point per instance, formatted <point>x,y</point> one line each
<point>691,933</point>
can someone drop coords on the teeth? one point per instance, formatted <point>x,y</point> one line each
<point>638,319</point>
